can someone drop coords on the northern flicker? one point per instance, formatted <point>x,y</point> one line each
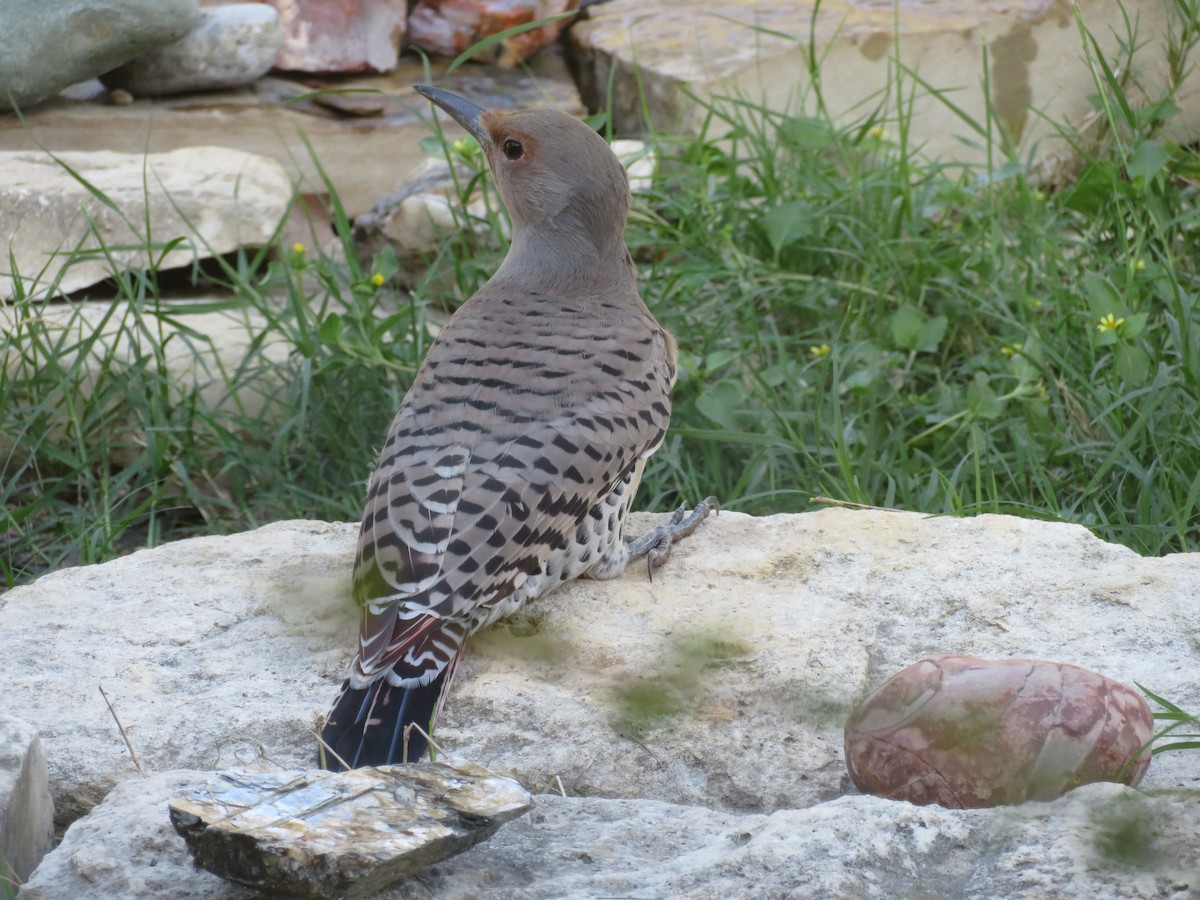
<point>515,455</point>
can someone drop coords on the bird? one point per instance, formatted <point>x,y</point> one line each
<point>515,454</point>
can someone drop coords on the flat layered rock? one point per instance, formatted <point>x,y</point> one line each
<point>59,236</point>
<point>319,834</point>
<point>669,57</point>
<point>725,682</point>
<point>1101,841</point>
<point>365,151</point>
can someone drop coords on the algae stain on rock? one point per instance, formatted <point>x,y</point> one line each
<point>874,47</point>
<point>1012,94</point>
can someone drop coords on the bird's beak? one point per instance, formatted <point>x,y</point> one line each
<point>464,112</point>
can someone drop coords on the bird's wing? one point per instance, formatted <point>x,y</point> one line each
<point>457,520</point>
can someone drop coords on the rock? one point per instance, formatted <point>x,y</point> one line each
<point>353,833</point>
<point>127,848</point>
<point>230,46</point>
<point>347,36</point>
<point>363,158</point>
<point>26,810</point>
<point>449,27</point>
<point>966,732</point>
<point>1100,841</point>
<point>724,683</point>
<point>215,199</point>
<point>45,47</point>
<point>670,57</point>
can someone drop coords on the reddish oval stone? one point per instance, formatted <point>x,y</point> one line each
<point>966,733</point>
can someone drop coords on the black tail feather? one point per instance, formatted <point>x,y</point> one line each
<point>366,726</point>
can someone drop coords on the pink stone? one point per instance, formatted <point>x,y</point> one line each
<point>968,733</point>
<point>340,35</point>
<point>448,27</point>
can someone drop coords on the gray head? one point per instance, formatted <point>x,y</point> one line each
<point>559,179</point>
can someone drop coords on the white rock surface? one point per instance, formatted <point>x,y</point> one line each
<point>1099,842</point>
<point>213,647</point>
<point>230,46</point>
<point>663,55</point>
<point>26,810</point>
<point>213,198</point>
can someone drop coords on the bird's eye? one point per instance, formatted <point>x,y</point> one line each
<point>513,149</point>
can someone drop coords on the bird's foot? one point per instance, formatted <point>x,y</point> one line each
<point>656,543</point>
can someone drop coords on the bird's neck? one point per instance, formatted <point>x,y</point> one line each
<point>560,259</point>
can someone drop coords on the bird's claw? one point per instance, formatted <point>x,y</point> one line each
<point>656,543</point>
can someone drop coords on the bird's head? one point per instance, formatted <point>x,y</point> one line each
<point>558,177</point>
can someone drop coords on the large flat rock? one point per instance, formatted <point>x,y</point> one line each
<point>1102,841</point>
<point>668,57</point>
<point>367,152</point>
<point>724,683</point>
<point>70,220</point>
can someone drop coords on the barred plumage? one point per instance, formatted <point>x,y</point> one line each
<point>516,453</point>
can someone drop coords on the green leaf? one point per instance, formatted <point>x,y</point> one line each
<point>1146,160</point>
<point>787,224</point>
<point>907,322</point>
<point>807,134</point>
<point>721,402</point>
<point>1135,324</point>
<point>331,329</point>
<point>911,330</point>
<point>1102,296</point>
<point>1133,365</point>
<point>982,399</point>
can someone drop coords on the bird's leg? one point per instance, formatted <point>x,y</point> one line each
<point>656,543</point>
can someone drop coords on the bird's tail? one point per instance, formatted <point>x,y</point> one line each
<point>366,725</point>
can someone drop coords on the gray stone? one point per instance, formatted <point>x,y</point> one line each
<point>724,683</point>
<point>230,46</point>
<point>215,199</point>
<point>1099,842</point>
<point>127,848</point>
<point>319,834</point>
<point>671,57</point>
<point>364,158</point>
<point>26,810</point>
<point>45,47</point>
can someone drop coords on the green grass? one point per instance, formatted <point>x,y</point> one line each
<point>854,321</point>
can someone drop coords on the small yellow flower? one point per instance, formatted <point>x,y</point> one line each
<point>819,351</point>
<point>298,247</point>
<point>1011,349</point>
<point>1110,323</point>
<point>462,145</point>
<point>1139,265</point>
<point>377,279</point>
<point>1035,303</point>
<point>879,133</point>
<point>1039,195</point>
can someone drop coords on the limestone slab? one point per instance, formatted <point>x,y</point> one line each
<point>669,57</point>
<point>1099,842</point>
<point>159,210</point>
<point>725,682</point>
<point>363,157</point>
